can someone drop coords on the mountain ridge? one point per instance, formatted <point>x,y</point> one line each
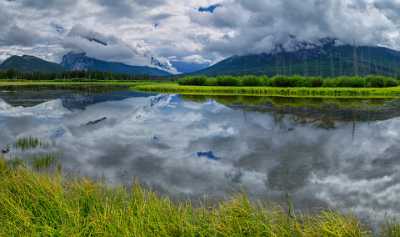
<point>327,60</point>
<point>75,62</point>
<point>28,63</point>
<point>81,62</point>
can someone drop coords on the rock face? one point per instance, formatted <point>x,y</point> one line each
<point>81,62</point>
<point>323,59</point>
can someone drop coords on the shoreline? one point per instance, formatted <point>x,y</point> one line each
<point>171,87</point>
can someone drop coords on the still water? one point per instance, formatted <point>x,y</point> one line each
<point>334,154</point>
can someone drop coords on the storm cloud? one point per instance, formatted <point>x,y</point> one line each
<point>208,30</point>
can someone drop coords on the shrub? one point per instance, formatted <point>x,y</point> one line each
<point>283,81</point>
<point>375,81</point>
<point>211,81</point>
<point>227,81</point>
<point>290,81</point>
<point>193,81</point>
<point>251,81</point>
<point>391,82</point>
<point>354,82</point>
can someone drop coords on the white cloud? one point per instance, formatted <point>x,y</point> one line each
<point>166,29</point>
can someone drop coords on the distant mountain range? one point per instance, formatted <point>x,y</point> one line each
<point>76,62</point>
<point>80,62</point>
<point>28,63</point>
<point>325,59</point>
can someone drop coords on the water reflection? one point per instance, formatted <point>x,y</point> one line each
<point>184,147</point>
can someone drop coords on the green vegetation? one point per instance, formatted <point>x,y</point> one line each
<point>390,92</point>
<point>27,143</point>
<point>46,204</point>
<point>171,87</point>
<point>40,162</point>
<point>290,81</point>
<point>12,74</point>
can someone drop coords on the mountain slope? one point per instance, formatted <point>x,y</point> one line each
<point>30,64</point>
<point>324,60</point>
<point>79,61</point>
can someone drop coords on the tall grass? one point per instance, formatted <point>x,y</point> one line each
<point>274,91</point>
<point>27,143</point>
<point>43,204</point>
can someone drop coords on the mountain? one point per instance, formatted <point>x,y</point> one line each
<point>324,59</point>
<point>188,67</point>
<point>79,61</point>
<point>28,63</point>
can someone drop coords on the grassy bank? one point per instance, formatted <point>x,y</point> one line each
<point>390,92</point>
<point>45,204</point>
<point>171,87</point>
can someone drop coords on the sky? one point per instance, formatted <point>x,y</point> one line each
<point>188,31</point>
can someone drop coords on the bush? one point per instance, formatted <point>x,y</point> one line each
<point>283,81</point>
<point>227,81</point>
<point>352,82</point>
<point>193,81</point>
<point>292,81</point>
<point>251,81</point>
<point>375,81</point>
<point>381,81</point>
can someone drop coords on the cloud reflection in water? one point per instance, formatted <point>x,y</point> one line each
<point>159,139</point>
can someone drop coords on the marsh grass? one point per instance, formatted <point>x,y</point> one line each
<point>391,92</point>
<point>391,229</point>
<point>46,161</point>
<point>46,204</point>
<point>27,143</point>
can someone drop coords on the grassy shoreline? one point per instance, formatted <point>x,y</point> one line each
<point>171,87</point>
<point>391,92</point>
<point>46,204</point>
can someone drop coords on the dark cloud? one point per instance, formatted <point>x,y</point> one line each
<point>183,28</point>
<point>260,25</point>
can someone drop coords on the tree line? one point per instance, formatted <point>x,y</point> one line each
<point>72,75</point>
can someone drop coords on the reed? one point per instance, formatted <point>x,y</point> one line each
<point>46,204</point>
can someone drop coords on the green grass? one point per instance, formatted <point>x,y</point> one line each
<point>171,87</point>
<point>390,92</point>
<point>46,204</point>
<point>46,161</point>
<point>27,143</point>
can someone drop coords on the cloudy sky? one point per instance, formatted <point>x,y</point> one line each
<point>192,31</point>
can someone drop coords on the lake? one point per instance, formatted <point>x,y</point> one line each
<point>316,153</point>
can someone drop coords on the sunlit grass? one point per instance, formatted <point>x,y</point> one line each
<point>390,92</point>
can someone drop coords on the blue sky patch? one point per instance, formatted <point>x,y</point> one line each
<point>210,8</point>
